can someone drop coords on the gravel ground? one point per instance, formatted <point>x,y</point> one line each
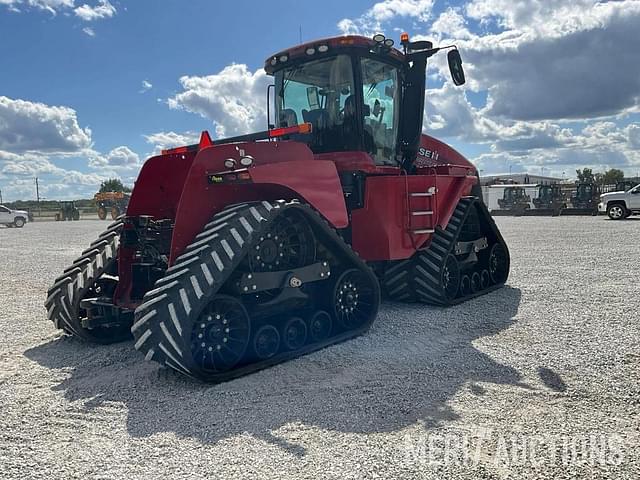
<point>537,380</point>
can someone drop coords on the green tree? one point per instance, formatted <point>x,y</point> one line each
<point>612,177</point>
<point>585,176</point>
<point>113,185</point>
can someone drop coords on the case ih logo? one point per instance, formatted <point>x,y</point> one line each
<point>423,152</point>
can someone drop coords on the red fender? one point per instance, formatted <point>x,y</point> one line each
<point>281,170</point>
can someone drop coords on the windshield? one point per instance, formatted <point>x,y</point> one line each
<point>317,92</point>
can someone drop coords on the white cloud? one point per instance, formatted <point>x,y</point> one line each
<point>372,20</point>
<point>51,6</point>
<point>121,157</point>
<point>233,99</point>
<point>91,13</point>
<point>166,140</point>
<point>31,126</point>
<point>89,31</point>
<point>146,86</point>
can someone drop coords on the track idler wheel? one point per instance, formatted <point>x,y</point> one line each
<point>294,333</point>
<point>266,342</point>
<point>319,326</point>
<point>354,299</point>
<point>450,277</point>
<point>498,264</point>
<point>220,335</point>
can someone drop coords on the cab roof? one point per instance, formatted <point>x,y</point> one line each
<point>325,47</point>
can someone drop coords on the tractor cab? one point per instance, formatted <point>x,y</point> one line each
<point>549,192</point>
<point>358,94</point>
<point>586,192</point>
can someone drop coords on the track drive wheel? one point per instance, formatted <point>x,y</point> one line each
<point>220,335</point>
<point>354,299</point>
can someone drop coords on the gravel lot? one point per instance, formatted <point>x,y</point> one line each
<point>537,380</point>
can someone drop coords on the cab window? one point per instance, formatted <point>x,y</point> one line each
<point>381,107</point>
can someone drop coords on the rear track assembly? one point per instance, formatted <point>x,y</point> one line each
<point>217,313</point>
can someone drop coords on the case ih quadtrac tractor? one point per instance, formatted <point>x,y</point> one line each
<point>239,253</point>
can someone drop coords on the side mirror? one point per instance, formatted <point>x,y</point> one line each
<point>455,67</point>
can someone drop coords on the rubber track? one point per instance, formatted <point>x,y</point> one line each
<point>417,279</point>
<point>162,323</point>
<point>63,297</point>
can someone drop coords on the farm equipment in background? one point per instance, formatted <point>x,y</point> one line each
<point>584,200</point>
<point>240,253</point>
<point>550,201</point>
<point>514,201</point>
<point>113,203</point>
<point>68,211</point>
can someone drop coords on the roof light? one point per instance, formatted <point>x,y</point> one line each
<point>310,51</point>
<point>283,58</point>
<point>388,42</point>
<point>323,48</point>
<point>246,161</point>
<point>378,37</point>
<point>404,37</point>
<point>230,163</point>
<point>274,61</point>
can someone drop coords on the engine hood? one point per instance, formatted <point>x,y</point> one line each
<point>612,194</point>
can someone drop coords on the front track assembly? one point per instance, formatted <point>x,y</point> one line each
<point>466,259</point>
<point>93,274</point>
<point>262,283</point>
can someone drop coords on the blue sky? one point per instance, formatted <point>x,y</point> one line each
<point>89,89</point>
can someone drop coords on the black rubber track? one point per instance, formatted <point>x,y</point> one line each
<point>64,296</point>
<point>419,278</point>
<point>163,322</point>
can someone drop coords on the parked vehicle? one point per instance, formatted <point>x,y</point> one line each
<point>111,202</point>
<point>550,200</point>
<point>584,200</point>
<point>620,205</point>
<point>68,211</point>
<point>13,218</point>
<point>514,200</point>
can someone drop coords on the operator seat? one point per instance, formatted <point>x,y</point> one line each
<point>350,127</point>
<point>288,118</point>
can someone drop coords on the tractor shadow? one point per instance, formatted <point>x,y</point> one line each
<point>405,370</point>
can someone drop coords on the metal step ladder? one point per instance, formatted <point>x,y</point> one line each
<point>422,211</point>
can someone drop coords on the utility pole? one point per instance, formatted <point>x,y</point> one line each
<point>38,197</point>
<point>0,196</point>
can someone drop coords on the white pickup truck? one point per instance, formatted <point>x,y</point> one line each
<point>13,218</point>
<point>620,205</point>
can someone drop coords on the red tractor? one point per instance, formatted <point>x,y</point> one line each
<point>240,253</point>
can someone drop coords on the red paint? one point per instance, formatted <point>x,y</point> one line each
<point>281,170</point>
<point>380,230</point>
